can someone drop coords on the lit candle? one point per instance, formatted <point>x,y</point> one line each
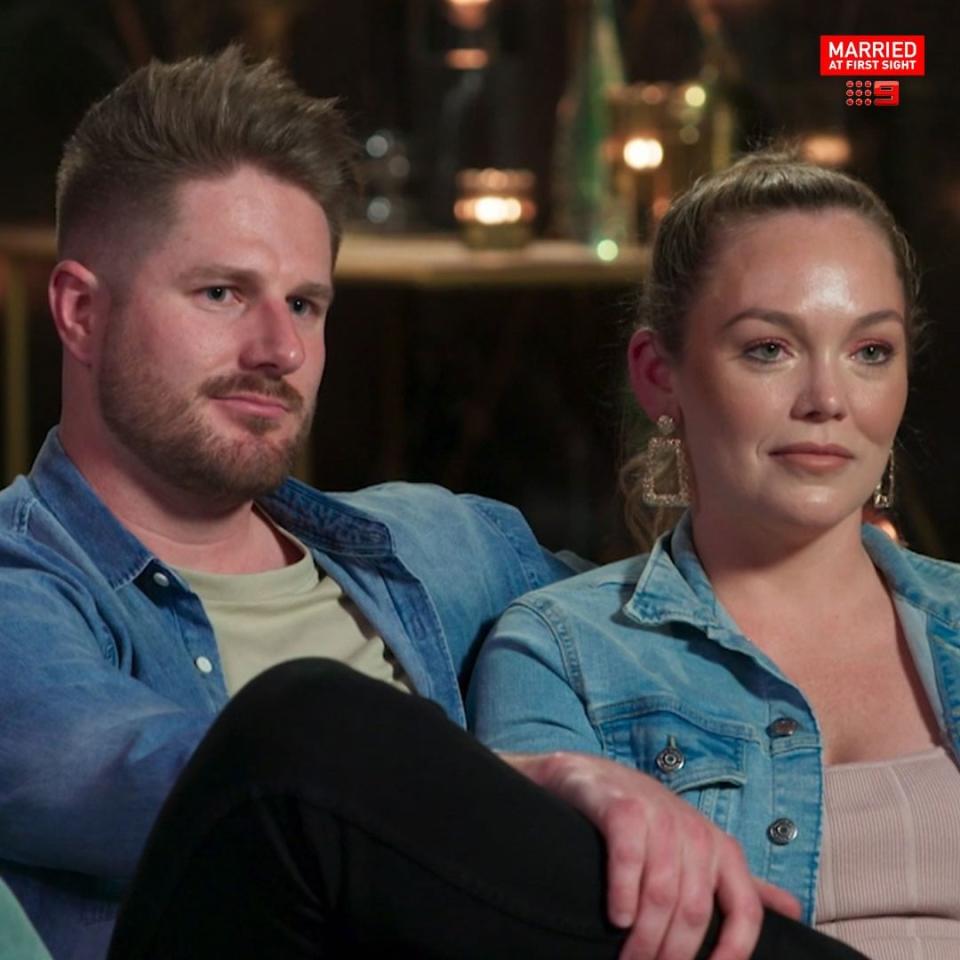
<point>495,208</point>
<point>468,14</point>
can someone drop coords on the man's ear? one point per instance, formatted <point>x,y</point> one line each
<point>76,302</point>
<point>651,375</point>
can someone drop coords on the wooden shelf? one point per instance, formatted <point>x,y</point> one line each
<point>442,262</point>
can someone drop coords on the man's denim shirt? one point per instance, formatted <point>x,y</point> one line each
<point>106,686</point>
<point>638,662</point>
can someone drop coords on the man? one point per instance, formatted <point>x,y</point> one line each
<point>156,558</point>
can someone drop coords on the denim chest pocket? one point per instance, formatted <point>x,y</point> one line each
<point>701,758</point>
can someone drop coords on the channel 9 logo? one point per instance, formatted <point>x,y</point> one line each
<point>872,93</point>
<point>879,57</point>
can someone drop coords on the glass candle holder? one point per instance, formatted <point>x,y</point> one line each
<point>495,209</point>
<point>663,138</point>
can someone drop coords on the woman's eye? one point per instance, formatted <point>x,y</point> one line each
<point>766,352</point>
<point>874,353</point>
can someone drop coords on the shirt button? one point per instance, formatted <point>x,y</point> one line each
<point>161,579</point>
<point>782,831</point>
<point>670,759</point>
<point>783,727</point>
<point>203,664</point>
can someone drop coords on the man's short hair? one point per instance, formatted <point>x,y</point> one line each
<point>200,117</point>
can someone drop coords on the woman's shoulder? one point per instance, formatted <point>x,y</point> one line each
<point>627,570</point>
<point>610,580</point>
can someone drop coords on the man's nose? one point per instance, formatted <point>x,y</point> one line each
<point>274,343</point>
<point>820,396</point>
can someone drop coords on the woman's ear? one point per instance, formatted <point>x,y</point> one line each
<point>73,293</point>
<point>651,375</point>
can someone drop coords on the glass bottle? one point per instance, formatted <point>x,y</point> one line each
<point>586,206</point>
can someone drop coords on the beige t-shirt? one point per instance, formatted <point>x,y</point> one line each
<point>262,619</point>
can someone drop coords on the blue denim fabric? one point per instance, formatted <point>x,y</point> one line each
<point>101,698</point>
<point>638,658</point>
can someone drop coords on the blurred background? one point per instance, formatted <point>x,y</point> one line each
<point>516,156</point>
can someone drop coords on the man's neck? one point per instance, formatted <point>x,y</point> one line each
<point>183,528</point>
<point>243,542</point>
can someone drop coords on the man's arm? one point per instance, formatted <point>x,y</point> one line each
<point>87,752</point>
<point>668,866</point>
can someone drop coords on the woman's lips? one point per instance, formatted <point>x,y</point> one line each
<point>814,457</point>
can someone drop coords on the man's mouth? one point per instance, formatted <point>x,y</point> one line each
<point>255,405</point>
<point>254,395</point>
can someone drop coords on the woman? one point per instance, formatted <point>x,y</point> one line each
<point>792,674</point>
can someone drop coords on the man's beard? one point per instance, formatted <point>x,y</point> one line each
<point>167,433</point>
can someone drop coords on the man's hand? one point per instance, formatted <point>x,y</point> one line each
<point>667,865</point>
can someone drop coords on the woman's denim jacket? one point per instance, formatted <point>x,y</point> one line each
<point>111,673</point>
<point>638,662</point>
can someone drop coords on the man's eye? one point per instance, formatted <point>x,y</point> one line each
<point>217,294</point>
<point>300,306</point>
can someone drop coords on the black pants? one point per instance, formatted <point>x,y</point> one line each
<point>328,815</point>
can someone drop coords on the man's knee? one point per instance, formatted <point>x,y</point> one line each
<point>310,694</point>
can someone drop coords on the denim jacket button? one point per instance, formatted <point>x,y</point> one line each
<point>204,665</point>
<point>161,579</point>
<point>783,727</point>
<point>670,760</point>
<point>782,831</point>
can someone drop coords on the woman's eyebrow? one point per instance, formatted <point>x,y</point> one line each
<point>778,317</point>
<point>782,319</point>
<point>879,316</point>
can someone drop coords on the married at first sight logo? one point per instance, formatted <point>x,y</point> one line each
<point>880,58</point>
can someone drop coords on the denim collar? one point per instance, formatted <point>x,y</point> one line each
<point>118,554</point>
<point>328,523</point>
<point>930,585</point>
<point>674,587</point>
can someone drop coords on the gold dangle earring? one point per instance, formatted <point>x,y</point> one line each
<point>662,453</point>
<point>883,491</point>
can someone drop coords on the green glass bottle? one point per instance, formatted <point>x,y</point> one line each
<point>586,207</point>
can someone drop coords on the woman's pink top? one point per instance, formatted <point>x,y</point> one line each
<point>890,861</point>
